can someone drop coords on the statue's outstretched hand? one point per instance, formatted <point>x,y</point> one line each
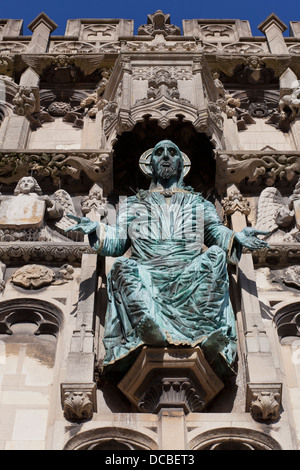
<point>248,238</point>
<point>84,224</point>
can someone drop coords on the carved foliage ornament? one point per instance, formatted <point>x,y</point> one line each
<point>53,165</point>
<point>94,201</point>
<point>260,168</point>
<point>265,406</point>
<point>263,401</point>
<point>78,401</point>
<point>235,203</point>
<point>167,393</point>
<point>78,405</point>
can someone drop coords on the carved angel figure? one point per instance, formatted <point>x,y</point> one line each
<point>289,105</point>
<point>278,215</point>
<point>95,102</point>
<point>29,215</point>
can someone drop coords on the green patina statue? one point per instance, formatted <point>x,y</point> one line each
<point>171,291</point>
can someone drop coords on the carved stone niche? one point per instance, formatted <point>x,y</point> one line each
<point>170,378</point>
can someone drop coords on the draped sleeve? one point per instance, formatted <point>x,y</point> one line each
<point>114,240</point>
<point>215,233</point>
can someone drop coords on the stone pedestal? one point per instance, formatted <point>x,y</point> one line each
<point>171,378</point>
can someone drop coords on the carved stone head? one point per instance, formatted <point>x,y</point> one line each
<point>166,161</point>
<point>27,185</point>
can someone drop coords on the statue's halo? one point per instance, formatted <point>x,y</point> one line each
<point>144,163</point>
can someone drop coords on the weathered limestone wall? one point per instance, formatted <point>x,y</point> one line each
<point>32,366</point>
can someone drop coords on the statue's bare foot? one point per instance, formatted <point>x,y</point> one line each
<point>150,332</point>
<point>214,344</point>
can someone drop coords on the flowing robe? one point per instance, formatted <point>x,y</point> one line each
<point>170,291</point>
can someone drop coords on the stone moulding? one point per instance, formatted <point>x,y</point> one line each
<point>170,378</point>
<point>14,254</point>
<point>78,401</point>
<point>277,256</point>
<point>263,401</point>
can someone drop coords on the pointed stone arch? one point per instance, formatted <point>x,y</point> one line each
<point>111,438</point>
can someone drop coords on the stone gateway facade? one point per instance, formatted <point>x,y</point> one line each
<point>78,116</point>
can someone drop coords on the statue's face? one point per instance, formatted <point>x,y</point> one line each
<point>27,185</point>
<point>166,160</point>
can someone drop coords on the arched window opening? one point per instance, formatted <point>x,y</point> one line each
<point>111,438</point>
<point>233,439</point>
<point>287,321</point>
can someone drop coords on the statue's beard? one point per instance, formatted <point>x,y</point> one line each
<point>166,172</point>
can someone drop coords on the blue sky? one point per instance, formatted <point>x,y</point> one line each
<point>59,11</point>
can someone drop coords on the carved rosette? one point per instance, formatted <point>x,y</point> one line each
<point>78,401</point>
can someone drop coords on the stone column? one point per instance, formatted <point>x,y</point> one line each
<point>125,122</point>
<point>172,429</point>
<point>263,387</point>
<point>200,101</point>
<point>42,26</point>
<point>78,392</point>
<point>273,28</point>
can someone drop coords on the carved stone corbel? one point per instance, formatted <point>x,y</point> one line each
<point>263,401</point>
<point>78,401</point>
<point>125,122</point>
<point>169,378</point>
<point>172,393</point>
